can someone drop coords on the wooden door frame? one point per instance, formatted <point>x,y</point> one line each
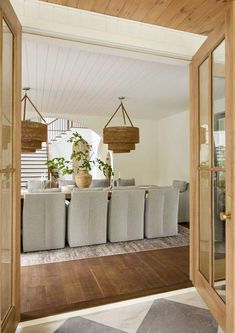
<point>224,314</point>
<point>230,160</point>
<point>7,13</point>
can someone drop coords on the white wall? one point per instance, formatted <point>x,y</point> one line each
<point>162,154</point>
<point>140,163</point>
<point>173,148</point>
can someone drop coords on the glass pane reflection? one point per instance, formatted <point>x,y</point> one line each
<point>204,114</point>
<point>7,95</point>
<point>218,116</point>
<point>6,178</point>
<point>204,223</point>
<point>219,233</point>
<point>218,83</point>
<point>6,243</point>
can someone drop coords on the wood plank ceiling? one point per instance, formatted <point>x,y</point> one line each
<point>197,16</point>
<point>66,78</point>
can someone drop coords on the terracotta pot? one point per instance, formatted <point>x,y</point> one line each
<point>83,178</point>
<point>54,183</point>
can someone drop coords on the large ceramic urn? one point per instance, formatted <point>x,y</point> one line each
<point>83,178</point>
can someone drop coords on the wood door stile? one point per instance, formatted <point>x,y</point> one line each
<point>230,172</point>
<point>7,14</point>
<point>224,313</point>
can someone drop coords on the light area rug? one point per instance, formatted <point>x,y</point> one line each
<point>84,252</point>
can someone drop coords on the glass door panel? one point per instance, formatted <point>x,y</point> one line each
<point>218,105</point>
<point>204,224</point>
<point>7,171</point>
<point>219,254</point>
<point>6,243</point>
<point>204,116</point>
<point>7,96</point>
<point>211,98</point>
<point>218,152</point>
<point>204,176</point>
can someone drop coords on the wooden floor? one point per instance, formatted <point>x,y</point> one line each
<point>66,286</point>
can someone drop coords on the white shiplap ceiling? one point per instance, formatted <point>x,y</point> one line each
<point>69,78</point>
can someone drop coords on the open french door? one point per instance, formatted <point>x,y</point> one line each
<point>10,124</point>
<point>212,203</point>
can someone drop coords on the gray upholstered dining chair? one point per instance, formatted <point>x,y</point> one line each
<point>100,183</point>
<point>87,217</point>
<point>43,221</point>
<point>183,186</point>
<point>37,184</point>
<point>46,190</point>
<point>161,212</point>
<point>64,182</point>
<point>132,187</point>
<point>124,182</point>
<point>126,215</point>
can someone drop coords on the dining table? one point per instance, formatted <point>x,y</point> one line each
<point>68,193</point>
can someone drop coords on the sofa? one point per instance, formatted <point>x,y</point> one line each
<point>183,212</point>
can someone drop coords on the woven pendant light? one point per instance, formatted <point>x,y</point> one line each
<point>121,139</point>
<point>32,133</point>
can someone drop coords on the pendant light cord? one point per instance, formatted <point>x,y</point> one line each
<point>124,114</point>
<point>24,99</point>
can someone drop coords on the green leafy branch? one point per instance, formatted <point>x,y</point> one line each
<point>58,164</point>
<point>105,168</point>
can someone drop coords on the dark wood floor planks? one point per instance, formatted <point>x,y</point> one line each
<point>65,286</point>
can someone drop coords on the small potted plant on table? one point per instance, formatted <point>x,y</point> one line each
<point>56,166</point>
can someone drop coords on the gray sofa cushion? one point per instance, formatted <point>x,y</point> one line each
<point>180,184</point>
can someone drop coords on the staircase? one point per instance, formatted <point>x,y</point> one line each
<point>33,166</point>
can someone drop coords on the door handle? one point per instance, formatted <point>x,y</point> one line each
<point>223,216</point>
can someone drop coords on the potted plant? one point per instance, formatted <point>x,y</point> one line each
<point>56,166</point>
<point>82,162</point>
<point>105,168</point>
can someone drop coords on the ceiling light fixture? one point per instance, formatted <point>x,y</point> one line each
<point>121,139</point>
<point>32,133</point>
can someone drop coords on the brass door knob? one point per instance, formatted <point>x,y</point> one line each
<point>224,216</point>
